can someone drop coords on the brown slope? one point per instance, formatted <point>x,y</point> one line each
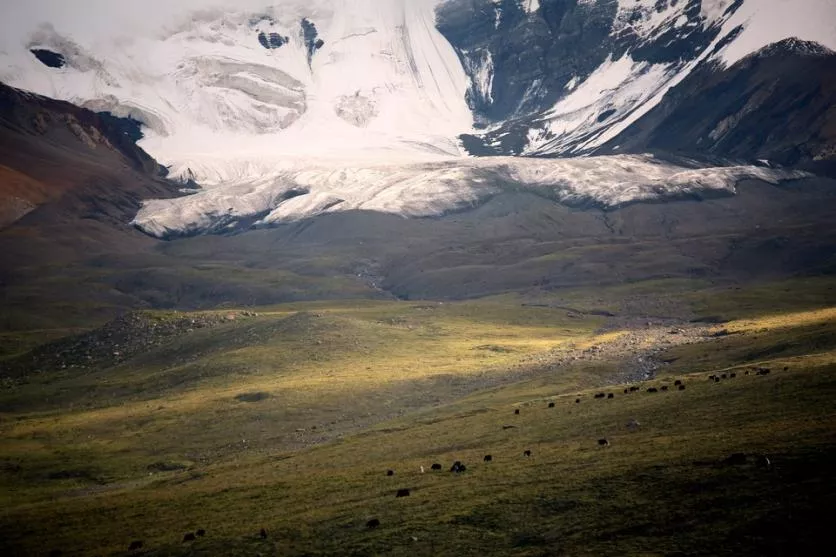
<point>52,151</point>
<point>70,181</point>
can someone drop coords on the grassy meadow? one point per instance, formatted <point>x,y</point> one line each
<point>288,420</point>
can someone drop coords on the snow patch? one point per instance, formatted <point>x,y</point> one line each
<point>615,88</point>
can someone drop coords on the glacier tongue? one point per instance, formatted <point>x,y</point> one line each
<point>425,189</point>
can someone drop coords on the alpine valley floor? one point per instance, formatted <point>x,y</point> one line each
<point>286,418</point>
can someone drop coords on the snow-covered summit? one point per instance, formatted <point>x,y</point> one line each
<point>246,97</point>
<point>347,79</point>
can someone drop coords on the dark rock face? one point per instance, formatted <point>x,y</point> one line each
<point>772,105</point>
<point>49,58</point>
<point>310,36</point>
<point>272,41</point>
<point>534,55</point>
<point>535,58</point>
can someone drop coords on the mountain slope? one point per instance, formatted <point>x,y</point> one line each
<point>220,92</point>
<point>572,75</point>
<point>765,106</point>
<point>41,138</point>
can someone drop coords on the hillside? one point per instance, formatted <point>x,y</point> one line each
<point>139,439</point>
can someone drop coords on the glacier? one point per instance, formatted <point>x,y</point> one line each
<point>370,116</point>
<point>430,189</point>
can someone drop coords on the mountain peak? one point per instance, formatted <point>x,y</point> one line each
<point>794,45</point>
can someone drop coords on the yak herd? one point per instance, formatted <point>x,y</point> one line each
<point>458,467</point>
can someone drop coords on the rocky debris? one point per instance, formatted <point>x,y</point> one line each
<point>114,343</point>
<point>638,347</point>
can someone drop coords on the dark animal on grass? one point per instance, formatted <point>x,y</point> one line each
<point>509,427</point>
<point>373,523</point>
<point>626,391</point>
<point>577,401</point>
<point>526,453</point>
<point>682,387</point>
<point>610,395</point>
<point>390,472</point>
<point>786,368</point>
<point>551,405</point>
<point>517,412</point>
<point>664,387</point>
<point>677,383</point>
<point>488,458</point>
<point>634,389</point>
<point>747,372</point>
<point>712,377</point>
<point>716,379</point>
<point>764,371</point>
<point>603,443</point>
<point>263,534</point>
<point>652,390</point>
<point>200,533</point>
<point>600,395</point>
<point>188,537</point>
<point>435,466</point>
<point>736,459</point>
<point>402,493</point>
<point>724,376</point>
<point>135,545</point>
<point>458,467</point>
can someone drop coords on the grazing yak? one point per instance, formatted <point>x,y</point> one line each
<point>263,534</point>
<point>603,443</point>
<point>188,537</point>
<point>373,523</point>
<point>458,467</point>
<point>488,458</point>
<point>600,395</point>
<point>610,395</point>
<point>526,453</point>
<point>390,472</point>
<point>200,533</point>
<point>577,401</point>
<point>664,387</point>
<point>652,390</point>
<point>551,405</point>
<point>677,383</point>
<point>435,466</point>
<point>517,412</point>
<point>682,387</point>
<point>136,545</point>
<point>402,493</point>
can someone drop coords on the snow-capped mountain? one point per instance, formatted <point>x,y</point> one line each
<point>294,108</point>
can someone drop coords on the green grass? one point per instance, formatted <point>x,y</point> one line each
<point>163,445</point>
